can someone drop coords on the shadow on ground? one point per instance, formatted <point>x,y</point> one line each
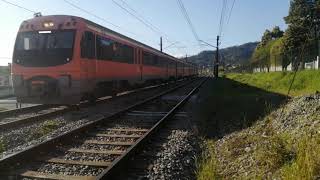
<point>225,106</point>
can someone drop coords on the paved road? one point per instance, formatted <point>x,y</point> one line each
<point>11,103</point>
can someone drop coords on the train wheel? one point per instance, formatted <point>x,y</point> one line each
<point>92,99</point>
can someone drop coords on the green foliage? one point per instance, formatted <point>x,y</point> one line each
<point>277,32</point>
<point>277,55</point>
<point>48,127</point>
<point>306,164</point>
<point>265,50</point>
<point>207,164</point>
<point>272,153</point>
<point>2,145</point>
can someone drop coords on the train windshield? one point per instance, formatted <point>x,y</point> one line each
<point>44,48</point>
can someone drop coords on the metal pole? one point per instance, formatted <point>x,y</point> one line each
<point>161,43</point>
<point>216,64</point>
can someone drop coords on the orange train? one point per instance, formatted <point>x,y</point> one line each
<point>65,59</point>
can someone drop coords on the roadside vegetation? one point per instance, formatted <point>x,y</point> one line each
<point>48,127</point>
<point>251,134</point>
<point>2,145</point>
<point>306,82</point>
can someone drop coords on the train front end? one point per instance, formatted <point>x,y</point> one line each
<point>45,69</point>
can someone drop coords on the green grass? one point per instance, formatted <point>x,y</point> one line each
<point>48,127</point>
<point>227,107</point>
<point>306,164</point>
<point>207,164</point>
<point>2,145</point>
<point>306,81</point>
<point>235,105</point>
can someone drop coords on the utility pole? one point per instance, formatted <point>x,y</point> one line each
<point>161,43</point>
<point>216,63</point>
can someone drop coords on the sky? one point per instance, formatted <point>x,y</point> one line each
<point>248,20</point>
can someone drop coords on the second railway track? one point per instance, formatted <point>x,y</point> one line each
<point>12,118</point>
<point>99,149</point>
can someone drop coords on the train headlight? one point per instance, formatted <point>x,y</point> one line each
<point>17,80</point>
<point>48,24</point>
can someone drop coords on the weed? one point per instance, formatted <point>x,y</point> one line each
<point>272,154</point>
<point>306,164</point>
<point>207,164</point>
<point>46,128</point>
<point>306,82</point>
<point>2,145</point>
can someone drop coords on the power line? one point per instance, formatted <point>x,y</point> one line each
<point>138,18</point>
<point>187,18</point>
<point>90,13</point>
<point>222,17</point>
<point>234,1</point>
<point>143,18</point>
<point>135,14</point>
<point>96,16</point>
<point>21,7</point>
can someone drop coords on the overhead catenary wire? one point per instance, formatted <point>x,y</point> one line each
<point>19,6</point>
<point>230,13</point>
<point>135,14</point>
<point>150,25</point>
<point>222,17</point>
<point>98,17</point>
<point>188,20</point>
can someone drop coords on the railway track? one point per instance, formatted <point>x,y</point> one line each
<point>12,118</point>
<point>101,148</point>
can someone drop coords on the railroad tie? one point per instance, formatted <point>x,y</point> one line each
<point>95,151</point>
<point>115,135</point>
<point>120,143</point>
<point>75,162</point>
<point>34,174</point>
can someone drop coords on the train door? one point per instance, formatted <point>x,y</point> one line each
<point>166,65</point>
<point>141,64</point>
<point>176,67</point>
<point>88,63</point>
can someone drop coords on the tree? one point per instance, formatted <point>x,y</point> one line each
<point>298,34</point>
<point>267,36</point>
<point>276,32</point>
<point>262,54</point>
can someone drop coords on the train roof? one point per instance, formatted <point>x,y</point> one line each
<point>88,22</point>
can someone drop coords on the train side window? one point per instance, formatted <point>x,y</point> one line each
<point>147,59</point>
<point>155,60</point>
<point>104,48</point>
<point>128,54</point>
<point>88,45</point>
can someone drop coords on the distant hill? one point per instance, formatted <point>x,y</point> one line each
<point>235,55</point>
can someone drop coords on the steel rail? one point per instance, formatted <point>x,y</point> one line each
<point>41,117</point>
<point>118,165</point>
<point>9,163</point>
<point>67,137</point>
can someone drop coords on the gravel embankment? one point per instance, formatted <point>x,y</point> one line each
<point>172,153</point>
<point>176,160</point>
<point>241,154</point>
